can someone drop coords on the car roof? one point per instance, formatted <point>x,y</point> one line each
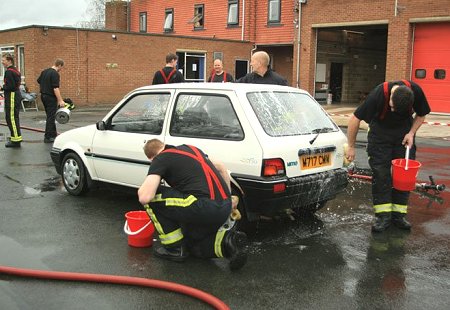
<point>238,87</point>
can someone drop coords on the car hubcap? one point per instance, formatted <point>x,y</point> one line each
<point>71,174</point>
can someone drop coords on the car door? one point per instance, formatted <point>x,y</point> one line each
<point>118,155</point>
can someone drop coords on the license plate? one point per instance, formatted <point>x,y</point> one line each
<point>311,161</point>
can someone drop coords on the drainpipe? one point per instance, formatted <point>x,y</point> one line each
<point>243,20</point>
<point>299,23</point>
<point>251,52</point>
<point>128,16</point>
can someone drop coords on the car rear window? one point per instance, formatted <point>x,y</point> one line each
<point>289,113</point>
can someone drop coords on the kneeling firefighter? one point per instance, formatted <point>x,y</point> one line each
<point>189,215</point>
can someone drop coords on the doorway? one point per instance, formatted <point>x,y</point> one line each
<point>336,80</point>
<point>241,68</point>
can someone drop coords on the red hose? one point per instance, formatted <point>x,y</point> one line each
<point>26,128</point>
<point>360,176</point>
<point>102,278</point>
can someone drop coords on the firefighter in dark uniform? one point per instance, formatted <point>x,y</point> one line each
<point>168,74</point>
<point>11,84</point>
<point>218,75</point>
<point>262,74</point>
<point>388,110</point>
<point>189,215</point>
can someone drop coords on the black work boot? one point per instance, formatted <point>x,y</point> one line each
<point>10,143</point>
<point>382,222</point>
<point>235,249</point>
<point>399,220</point>
<point>176,254</point>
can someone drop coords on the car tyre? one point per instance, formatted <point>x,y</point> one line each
<point>74,175</point>
<point>244,224</point>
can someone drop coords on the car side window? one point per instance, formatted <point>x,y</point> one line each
<point>205,116</point>
<point>143,113</point>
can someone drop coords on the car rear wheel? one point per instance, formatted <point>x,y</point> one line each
<point>74,175</point>
<point>243,224</point>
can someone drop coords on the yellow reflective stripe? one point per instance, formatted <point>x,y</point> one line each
<point>171,237</point>
<point>218,242</point>
<point>175,202</point>
<point>386,207</point>
<point>15,137</point>
<point>155,221</point>
<point>400,208</point>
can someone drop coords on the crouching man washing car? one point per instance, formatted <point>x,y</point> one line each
<point>190,213</point>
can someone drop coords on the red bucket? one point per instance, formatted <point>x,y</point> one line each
<point>139,228</point>
<point>402,179</point>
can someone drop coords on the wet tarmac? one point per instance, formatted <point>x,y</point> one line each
<point>327,261</point>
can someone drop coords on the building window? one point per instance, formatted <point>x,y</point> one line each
<point>168,22</point>
<point>199,16</point>
<point>233,12</point>
<point>217,55</point>
<point>143,22</point>
<point>274,11</point>
<point>421,73</point>
<point>439,74</point>
<point>21,60</point>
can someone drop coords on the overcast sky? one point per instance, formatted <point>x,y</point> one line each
<point>18,13</point>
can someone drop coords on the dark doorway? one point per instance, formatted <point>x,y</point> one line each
<point>336,81</point>
<point>241,68</point>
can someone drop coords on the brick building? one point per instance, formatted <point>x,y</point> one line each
<point>337,47</point>
<point>346,47</point>
<point>102,66</point>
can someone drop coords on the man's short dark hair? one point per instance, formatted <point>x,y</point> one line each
<point>59,62</point>
<point>402,99</point>
<point>171,57</point>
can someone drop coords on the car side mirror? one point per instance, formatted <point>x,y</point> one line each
<point>101,125</point>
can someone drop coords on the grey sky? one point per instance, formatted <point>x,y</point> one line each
<point>18,13</point>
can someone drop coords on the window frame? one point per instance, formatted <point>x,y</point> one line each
<point>232,3</point>
<point>143,21</point>
<point>273,21</point>
<point>200,21</point>
<point>169,11</point>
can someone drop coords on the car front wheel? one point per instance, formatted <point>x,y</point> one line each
<point>74,175</point>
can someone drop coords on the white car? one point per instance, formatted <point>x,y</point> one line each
<point>282,149</point>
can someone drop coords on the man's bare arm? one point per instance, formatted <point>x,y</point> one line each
<point>148,188</point>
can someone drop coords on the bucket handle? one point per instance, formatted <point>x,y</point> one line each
<point>407,157</point>
<point>126,228</point>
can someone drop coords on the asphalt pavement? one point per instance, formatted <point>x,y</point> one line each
<point>327,261</point>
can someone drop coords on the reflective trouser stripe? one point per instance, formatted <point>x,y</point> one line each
<point>385,207</point>
<point>218,242</point>
<point>175,202</point>
<point>166,239</point>
<point>399,208</point>
<point>15,136</point>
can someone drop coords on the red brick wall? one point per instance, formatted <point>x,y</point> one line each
<point>215,21</point>
<point>99,69</point>
<point>116,15</point>
<point>398,64</point>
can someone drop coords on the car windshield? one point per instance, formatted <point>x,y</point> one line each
<point>289,113</point>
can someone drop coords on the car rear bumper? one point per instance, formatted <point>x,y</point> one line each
<point>300,191</point>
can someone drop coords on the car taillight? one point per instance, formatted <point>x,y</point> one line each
<point>273,167</point>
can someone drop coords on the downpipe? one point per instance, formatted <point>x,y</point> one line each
<point>124,280</point>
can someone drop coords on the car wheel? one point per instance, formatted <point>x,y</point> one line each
<point>243,224</point>
<point>74,175</point>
